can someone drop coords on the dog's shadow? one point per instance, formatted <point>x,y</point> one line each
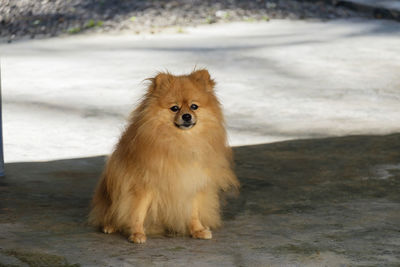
<point>301,175</point>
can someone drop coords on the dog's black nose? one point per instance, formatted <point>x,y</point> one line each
<point>187,117</point>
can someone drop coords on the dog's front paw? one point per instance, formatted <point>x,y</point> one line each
<point>108,229</point>
<point>138,238</point>
<point>202,234</point>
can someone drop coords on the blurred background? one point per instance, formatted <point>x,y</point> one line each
<point>46,18</point>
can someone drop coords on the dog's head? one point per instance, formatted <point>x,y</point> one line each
<point>184,102</point>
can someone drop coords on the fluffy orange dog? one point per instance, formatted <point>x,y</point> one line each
<point>170,165</point>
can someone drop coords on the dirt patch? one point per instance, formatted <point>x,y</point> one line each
<point>40,259</point>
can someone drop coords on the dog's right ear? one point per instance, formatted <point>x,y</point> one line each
<point>161,80</point>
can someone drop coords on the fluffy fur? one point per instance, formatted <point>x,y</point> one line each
<point>166,174</point>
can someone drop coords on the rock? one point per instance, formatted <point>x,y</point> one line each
<point>221,14</point>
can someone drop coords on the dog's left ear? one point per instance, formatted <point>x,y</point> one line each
<point>203,77</point>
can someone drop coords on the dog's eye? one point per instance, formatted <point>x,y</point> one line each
<point>194,107</point>
<point>174,108</point>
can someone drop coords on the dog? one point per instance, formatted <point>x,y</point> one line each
<point>170,165</point>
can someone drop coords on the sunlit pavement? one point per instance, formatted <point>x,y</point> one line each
<point>279,80</point>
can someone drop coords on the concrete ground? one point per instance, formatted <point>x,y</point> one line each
<point>330,200</point>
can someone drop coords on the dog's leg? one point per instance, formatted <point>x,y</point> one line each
<point>108,229</point>
<point>138,216</point>
<point>197,230</point>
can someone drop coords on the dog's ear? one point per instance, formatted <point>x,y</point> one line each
<point>203,77</point>
<point>161,80</point>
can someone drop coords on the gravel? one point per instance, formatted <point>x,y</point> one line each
<point>24,19</point>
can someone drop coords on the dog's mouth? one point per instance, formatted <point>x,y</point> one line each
<point>185,125</point>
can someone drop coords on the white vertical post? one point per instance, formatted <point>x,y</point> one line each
<point>1,134</point>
